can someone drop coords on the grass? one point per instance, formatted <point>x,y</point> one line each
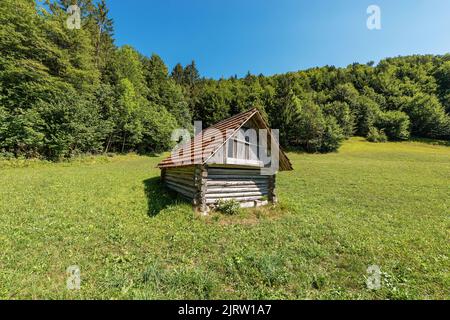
<point>370,204</point>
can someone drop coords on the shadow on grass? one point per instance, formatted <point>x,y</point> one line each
<point>433,142</point>
<point>159,197</point>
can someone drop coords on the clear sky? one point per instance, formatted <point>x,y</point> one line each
<point>228,37</point>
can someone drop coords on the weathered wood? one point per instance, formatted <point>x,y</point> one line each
<point>163,175</point>
<point>256,172</point>
<point>234,195</point>
<point>231,166</point>
<point>240,199</point>
<point>272,186</point>
<point>244,183</point>
<point>180,190</point>
<point>203,187</point>
<point>182,169</point>
<point>185,187</point>
<point>234,190</point>
<point>182,186</point>
<point>231,177</point>
<point>181,174</point>
<point>187,181</point>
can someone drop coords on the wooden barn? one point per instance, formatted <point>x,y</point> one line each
<point>232,160</point>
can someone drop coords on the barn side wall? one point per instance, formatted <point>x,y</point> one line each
<point>181,180</point>
<point>205,186</point>
<point>245,185</point>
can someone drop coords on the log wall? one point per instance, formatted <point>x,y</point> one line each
<point>181,180</point>
<point>205,186</point>
<point>246,186</point>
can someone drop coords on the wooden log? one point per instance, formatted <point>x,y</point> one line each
<point>247,183</point>
<point>233,189</point>
<point>188,194</point>
<point>188,181</point>
<point>234,195</point>
<point>180,189</point>
<point>188,188</point>
<point>181,174</point>
<point>163,175</point>
<point>230,177</point>
<point>272,189</point>
<point>203,187</point>
<point>181,183</point>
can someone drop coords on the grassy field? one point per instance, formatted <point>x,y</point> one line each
<point>370,204</point>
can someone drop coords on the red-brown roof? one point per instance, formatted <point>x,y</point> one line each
<point>200,153</point>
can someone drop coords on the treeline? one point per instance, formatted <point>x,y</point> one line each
<point>317,109</point>
<point>66,92</point>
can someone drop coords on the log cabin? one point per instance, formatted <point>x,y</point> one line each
<point>236,159</point>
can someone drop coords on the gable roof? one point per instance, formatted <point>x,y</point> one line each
<point>229,127</point>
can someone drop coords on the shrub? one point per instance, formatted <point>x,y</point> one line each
<point>333,135</point>
<point>229,207</point>
<point>427,116</point>
<point>344,117</point>
<point>395,125</point>
<point>376,135</point>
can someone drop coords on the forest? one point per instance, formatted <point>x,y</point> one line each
<point>68,92</point>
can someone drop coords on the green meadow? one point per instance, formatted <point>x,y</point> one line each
<point>369,204</point>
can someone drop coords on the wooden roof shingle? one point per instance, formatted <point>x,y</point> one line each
<point>201,153</point>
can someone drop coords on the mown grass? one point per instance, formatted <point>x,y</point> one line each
<point>370,204</point>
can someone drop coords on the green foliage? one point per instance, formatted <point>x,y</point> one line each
<point>376,135</point>
<point>428,116</point>
<point>343,115</point>
<point>65,92</point>
<point>229,207</point>
<point>395,124</point>
<point>333,135</point>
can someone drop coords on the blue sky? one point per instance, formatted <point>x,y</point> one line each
<point>228,37</point>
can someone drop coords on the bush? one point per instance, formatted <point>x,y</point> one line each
<point>428,116</point>
<point>376,135</point>
<point>343,115</point>
<point>229,207</point>
<point>395,125</point>
<point>366,112</point>
<point>333,135</point>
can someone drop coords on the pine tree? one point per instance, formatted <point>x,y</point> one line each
<point>178,74</point>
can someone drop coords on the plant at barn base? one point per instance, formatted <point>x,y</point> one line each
<point>228,207</point>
